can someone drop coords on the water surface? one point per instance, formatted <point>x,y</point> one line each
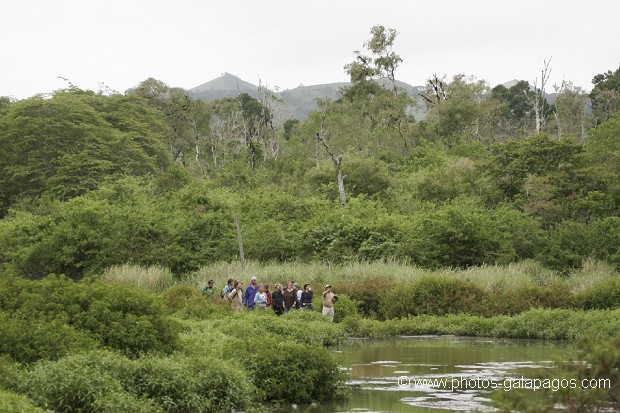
<point>437,374</point>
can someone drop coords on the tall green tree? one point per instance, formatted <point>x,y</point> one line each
<point>69,144</point>
<point>570,113</point>
<point>459,109</point>
<point>374,91</point>
<point>605,95</point>
<point>515,115</point>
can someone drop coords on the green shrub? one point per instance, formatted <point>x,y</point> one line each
<point>124,403</point>
<point>67,385</point>
<point>9,372</point>
<point>116,316</point>
<point>28,340</point>
<point>525,297</point>
<point>14,403</point>
<point>463,234</point>
<point>435,295</point>
<point>604,295</point>
<point>102,381</point>
<point>166,381</point>
<point>367,293</point>
<point>283,356</point>
<point>344,307</point>
<point>291,371</point>
<point>571,243</point>
<point>301,326</point>
<point>547,324</point>
<point>192,384</point>
<point>556,324</point>
<point>188,302</point>
<point>224,383</point>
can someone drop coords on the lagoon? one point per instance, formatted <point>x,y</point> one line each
<point>436,374</point>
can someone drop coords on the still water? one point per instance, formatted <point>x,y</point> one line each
<point>437,374</point>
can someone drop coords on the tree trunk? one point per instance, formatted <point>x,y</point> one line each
<point>240,241</point>
<point>539,99</point>
<point>337,160</point>
<point>340,180</point>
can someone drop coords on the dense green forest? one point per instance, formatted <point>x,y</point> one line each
<point>491,179</point>
<point>153,177</point>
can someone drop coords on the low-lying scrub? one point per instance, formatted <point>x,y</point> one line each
<point>103,381</point>
<point>113,316</point>
<point>14,403</point>
<point>436,295</point>
<point>545,324</point>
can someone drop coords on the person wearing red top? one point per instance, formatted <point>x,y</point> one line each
<point>269,300</point>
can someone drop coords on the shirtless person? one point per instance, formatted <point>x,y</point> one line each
<point>329,298</point>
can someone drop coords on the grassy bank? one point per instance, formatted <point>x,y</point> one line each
<point>544,324</point>
<point>395,290</point>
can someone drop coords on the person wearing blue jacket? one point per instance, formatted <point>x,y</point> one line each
<point>250,292</point>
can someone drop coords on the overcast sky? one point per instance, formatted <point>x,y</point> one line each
<point>285,43</point>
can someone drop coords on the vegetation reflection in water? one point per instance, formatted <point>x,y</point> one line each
<point>376,366</point>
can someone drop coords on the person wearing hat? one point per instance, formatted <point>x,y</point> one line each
<point>250,292</point>
<point>329,298</point>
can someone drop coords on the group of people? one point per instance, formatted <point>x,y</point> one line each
<point>281,300</point>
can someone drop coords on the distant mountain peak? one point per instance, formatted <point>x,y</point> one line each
<point>226,82</point>
<point>300,100</point>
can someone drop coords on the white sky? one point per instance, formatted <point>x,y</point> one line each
<point>286,43</point>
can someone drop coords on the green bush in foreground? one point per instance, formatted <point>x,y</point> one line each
<point>288,371</point>
<point>14,403</point>
<point>114,316</point>
<point>67,385</point>
<point>102,381</point>
<point>283,356</point>
<point>27,340</point>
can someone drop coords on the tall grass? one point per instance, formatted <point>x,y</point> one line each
<point>490,277</point>
<point>593,273</point>
<point>526,273</point>
<point>154,278</point>
<point>509,289</point>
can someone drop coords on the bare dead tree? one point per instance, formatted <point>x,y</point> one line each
<point>274,115</point>
<point>540,111</point>
<point>321,136</point>
<point>226,129</point>
<point>435,91</point>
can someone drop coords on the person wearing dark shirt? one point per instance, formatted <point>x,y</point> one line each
<point>277,300</point>
<point>290,297</point>
<point>306,297</point>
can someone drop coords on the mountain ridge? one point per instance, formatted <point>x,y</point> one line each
<point>299,101</point>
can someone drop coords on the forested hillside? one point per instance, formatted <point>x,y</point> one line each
<point>492,175</point>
